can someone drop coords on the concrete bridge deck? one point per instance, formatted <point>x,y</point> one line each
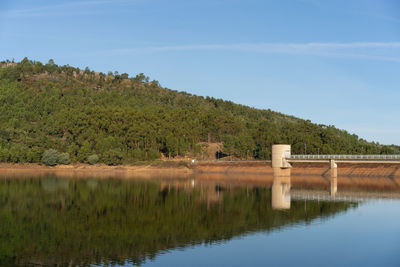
<point>344,157</point>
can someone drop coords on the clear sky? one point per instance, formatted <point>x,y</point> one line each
<point>332,62</point>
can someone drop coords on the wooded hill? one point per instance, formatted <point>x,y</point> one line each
<point>125,119</point>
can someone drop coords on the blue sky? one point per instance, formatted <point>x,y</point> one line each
<point>332,62</point>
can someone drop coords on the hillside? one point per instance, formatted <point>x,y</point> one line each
<point>125,119</point>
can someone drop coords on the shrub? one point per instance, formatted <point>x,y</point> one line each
<point>112,157</point>
<point>63,158</point>
<point>93,159</point>
<point>138,154</point>
<point>50,157</point>
<point>153,154</point>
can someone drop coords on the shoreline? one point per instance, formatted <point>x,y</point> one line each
<point>374,177</point>
<point>86,170</point>
<point>182,169</point>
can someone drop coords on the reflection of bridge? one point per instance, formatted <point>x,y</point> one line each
<point>281,163</point>
<point>340,197</point>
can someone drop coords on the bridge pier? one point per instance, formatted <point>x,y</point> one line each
<point>333,164</point>
<point>333,168</point>
<point>333,177</point>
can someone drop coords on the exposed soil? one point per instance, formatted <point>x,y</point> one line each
<point>100,170</point>
<point>302,169</point>
<point>253,170</point>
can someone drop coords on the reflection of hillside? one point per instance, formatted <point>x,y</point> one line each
<point>87,221</point>
<point>209,191</point>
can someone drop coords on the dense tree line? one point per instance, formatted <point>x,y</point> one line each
<point>123,119</point>
<point>82,222</point>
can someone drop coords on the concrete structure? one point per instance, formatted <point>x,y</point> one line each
<point>345,158</point>
<point>280,154</point>
<point>333,185</point>
<point>282,157</point>
<point>333,178</point>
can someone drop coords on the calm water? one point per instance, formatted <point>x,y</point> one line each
<point>119,222</point>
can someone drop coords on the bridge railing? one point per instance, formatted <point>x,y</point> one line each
<point>344,157</point>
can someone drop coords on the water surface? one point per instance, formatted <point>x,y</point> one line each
<point>52,221</point>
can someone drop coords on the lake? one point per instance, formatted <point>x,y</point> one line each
<point>50,221</point>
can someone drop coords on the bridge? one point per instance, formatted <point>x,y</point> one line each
<point>281,164</point>
<point>282,157</point>
<point>345,158</point>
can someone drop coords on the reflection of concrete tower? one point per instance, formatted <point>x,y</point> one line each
<point>333,178</point>
<point>280,198</point>
<point>333,185</point>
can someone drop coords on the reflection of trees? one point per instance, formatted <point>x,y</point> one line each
<point>46,222</point>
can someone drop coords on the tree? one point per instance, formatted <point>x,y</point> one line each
<point>112,157</point>
<point>141,78</point>
<point>84,152</point>
<point>51,67</point>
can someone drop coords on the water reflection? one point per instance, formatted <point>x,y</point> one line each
<point>70,222</point>
<point>333,185</point>
<point>281,185</point>
<point>280,191</point>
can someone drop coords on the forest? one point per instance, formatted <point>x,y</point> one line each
<point>62,114</point>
